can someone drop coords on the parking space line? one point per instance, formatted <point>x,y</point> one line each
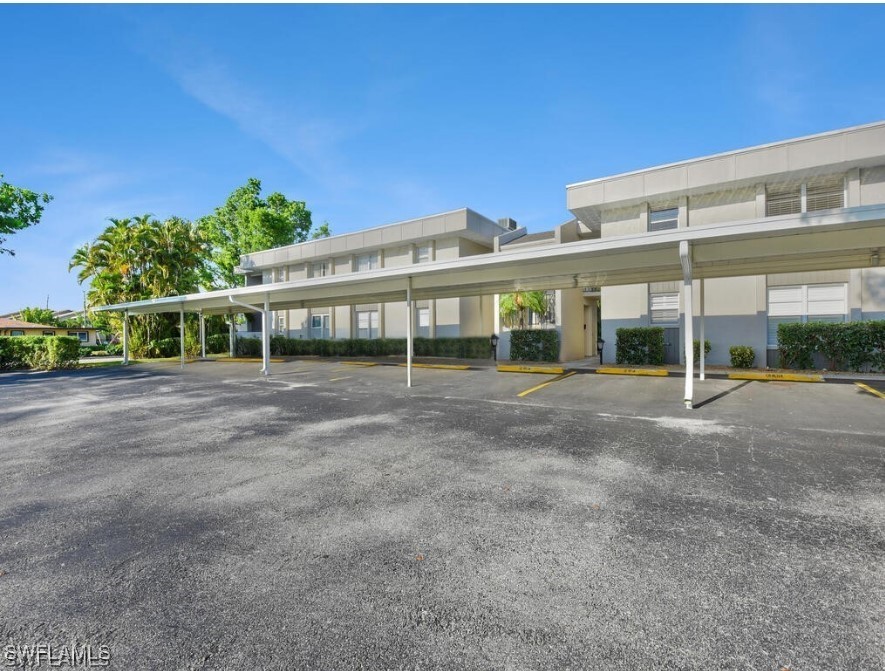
<point>869,389</point>
<point>335,379</point>
<point>364,364</point>
<point>531,390</point>
<point>441,366</point>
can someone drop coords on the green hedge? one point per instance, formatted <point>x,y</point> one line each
<point>42,352</point>
<point>460,348</point>
<point>533,345</point>
<point>643,345</point>
<point>218,343</point>
<point>742,356</point>
<point>697,349</point>
<point>846,346</point>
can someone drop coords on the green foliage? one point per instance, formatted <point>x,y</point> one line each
<point>697,349</point>
<point>41,316</point>
<point>218,343</point>
<point>114,349</point>
<point>846,346</point>
<point>461,348</point>
<point>41,352</point>
<point>515,308</point>
<point>643,345</point>
<point>248,223</point>
<point>19,208</point>
<point>742,356</point>
<point>139,258</point>
<point>534,345</point>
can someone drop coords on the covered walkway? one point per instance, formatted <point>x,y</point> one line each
<point>829,240</point>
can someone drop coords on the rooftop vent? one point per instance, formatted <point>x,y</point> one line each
<point>508,223</point>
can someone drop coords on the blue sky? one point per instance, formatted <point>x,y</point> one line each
<point>376,114</point>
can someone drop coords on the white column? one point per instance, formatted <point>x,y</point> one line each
<point>685,258</point>
<point>181,334</point>
<point>202,335</point>
<point>126,338</point>
<point>410,320</point>
<point>233,338</point>
<point>265,337</point>
<point>702,348</point>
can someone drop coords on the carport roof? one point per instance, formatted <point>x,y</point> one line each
<point>835,239</point>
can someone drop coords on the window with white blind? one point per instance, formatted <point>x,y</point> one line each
<point>367,262</point>
<point>280,275</point>
<point>825,193</point>
<point>805,303</point>
<point>320,269</point>
<point>664,307</point>
<point>422,319</point>
<point>423,254</point>
<point>663,220</point>
<point>281,322</point>
<point>367,324</point>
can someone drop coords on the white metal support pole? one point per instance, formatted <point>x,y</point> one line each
<point>265,337</point>
<point>181,329</point>
<point>202,335</point>
<point>703,340</point>
<point>410,317</point>
<point>126,338</point>
<point>232,337</point>
<point>685,259</point>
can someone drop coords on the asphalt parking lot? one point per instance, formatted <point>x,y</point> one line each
<point>330,518</point>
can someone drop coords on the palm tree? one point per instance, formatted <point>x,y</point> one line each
<point>515,308</point>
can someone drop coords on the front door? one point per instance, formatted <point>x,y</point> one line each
<point>671,345</point>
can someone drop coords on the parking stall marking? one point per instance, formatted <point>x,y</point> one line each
<point>867,388</point>
<point>538,387</point>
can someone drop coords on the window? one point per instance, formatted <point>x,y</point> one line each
<point>663,220</point>
<point>664,307</point>
<point>422,318</point>
<point>824,193</point>
<point>423,254</point>
<point>320,269</point>
<point>319,327</point>
<point>49,333</point>
<point>82,335</point>
<point>367,324</point>
<point>16,332</point>
<point>367,262</point>
<point>781,199</point>
<point>281,322</point>
<point>280,275</point>
<point>805,303</point>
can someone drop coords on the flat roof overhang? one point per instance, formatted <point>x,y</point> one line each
<point>830,240</point>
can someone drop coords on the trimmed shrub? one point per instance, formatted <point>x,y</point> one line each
<point>845,346</point>
<point>533,345</point>
<point>164,348</point>
<point>114,349</point>
<point>218,343</point>
<point>460,348</point>
<point>697,349</point>
<point>643,345</point>
<point>742,356</point>
<point>40,352</point>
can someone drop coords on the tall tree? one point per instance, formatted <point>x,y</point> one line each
<point>138,258</point>
<point>19,208</point>
<point>249,223</point>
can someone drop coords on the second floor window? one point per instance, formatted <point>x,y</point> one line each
<point>367,262</point>
<point>320,269</point>
<point>663,220</point>
<point>423,254</point>
<point>819,194</point>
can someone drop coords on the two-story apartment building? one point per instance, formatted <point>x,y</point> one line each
<point>829,172</point>
<point>439,237</point>
<point>825,174</point>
